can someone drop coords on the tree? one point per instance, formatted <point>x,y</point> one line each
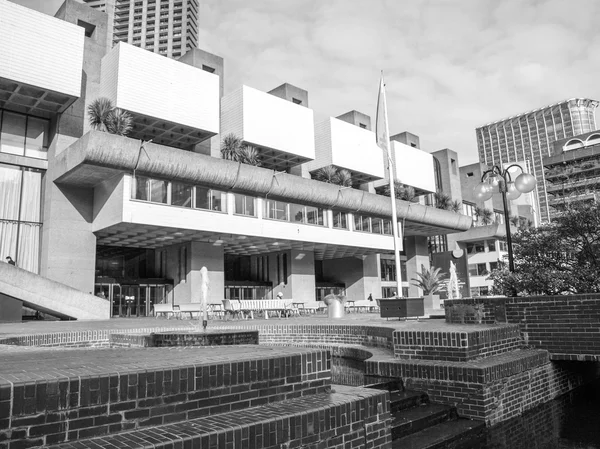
<point>561,257</point>
<point>234,149</point>
<point>430,281</point>
<point>105,117</point>
<point>344,178</point>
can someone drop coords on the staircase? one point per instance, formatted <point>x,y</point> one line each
<point>420,424</point>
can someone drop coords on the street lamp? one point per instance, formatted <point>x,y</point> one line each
<point>497,179</point>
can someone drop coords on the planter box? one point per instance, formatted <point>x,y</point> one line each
<point>401,307</point>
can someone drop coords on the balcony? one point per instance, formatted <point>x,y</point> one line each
<point>349,147</point>
<point>413,168</point>
<point>172,103</point>
<point>282,131</point>
<point>41,63</point>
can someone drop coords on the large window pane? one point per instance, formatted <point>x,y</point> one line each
<point>12,138</point>
<point>29,246</point>
<point>181,195</point>
<point>141,187</point>
<point>244,205</point>
<point>158,191</point>
<point>340,220</point>
<point>8,239</point>
<point>10,192</point>
<point>218,201</point>
<point>202,198</point>
<point>36,144</point>
<point>366,224</point>
<point>31,205</point>
<point>298,213</point>
<point>357,223</point>
<point>377,225</point>
<point>276,210</point>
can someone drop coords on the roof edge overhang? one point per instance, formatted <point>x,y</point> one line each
<point>98,155</point>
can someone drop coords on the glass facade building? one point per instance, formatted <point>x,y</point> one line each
<point>527,138</point>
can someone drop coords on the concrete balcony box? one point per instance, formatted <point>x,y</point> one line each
<point>281,130</point>
<point>401,307</point>
<point>40,63</point>
<point>349,147</point>
<point>172,103</point>
<point>414,167</point>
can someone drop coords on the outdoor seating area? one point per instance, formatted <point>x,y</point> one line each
<point>251,309</point>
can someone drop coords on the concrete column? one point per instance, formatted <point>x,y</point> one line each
<point>301,276</point>
<point>184,263</point>
<point>416,255</point>
<point>371,277</point>
<point>359,274</point>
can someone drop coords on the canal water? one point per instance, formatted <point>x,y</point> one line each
<point>569,422</point>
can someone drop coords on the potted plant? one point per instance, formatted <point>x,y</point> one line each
<point>431,282</point>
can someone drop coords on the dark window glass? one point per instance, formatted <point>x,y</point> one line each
<point>181,195</point>
<point>141,188</point>
<point>202,198</point>
<point>158,191</point>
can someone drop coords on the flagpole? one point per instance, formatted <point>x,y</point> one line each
<point>392,178</point>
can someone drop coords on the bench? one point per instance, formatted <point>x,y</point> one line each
<point>310,306</point>
<point>246,308</point>
<point>212,308</point>
<point>164,309</point>
<point>362,305</point>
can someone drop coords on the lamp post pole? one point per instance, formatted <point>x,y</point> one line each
<point>511,262</point>
<point>524,183</point>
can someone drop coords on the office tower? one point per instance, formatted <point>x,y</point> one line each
<point>528,137</point>
<point>167,27</point>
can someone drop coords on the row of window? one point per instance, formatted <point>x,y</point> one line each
<point>197,197</point>
<point>482,269</point>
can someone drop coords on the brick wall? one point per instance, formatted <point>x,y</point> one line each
<point>67,408</point>
<point>567,326</point>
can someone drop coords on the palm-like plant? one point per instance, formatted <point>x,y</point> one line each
<point>443,201</point>
<point>249,155</point>
<point>515,221</point>
<point>234,149</point>
<point>486,217</point>
<point>121,122</point>
<point>105,117</point>
<point>430,281</point>
<point>344,178</point>
<point>331,175</point>
<point>401,191</point>
<point>456,206</point>
<point>328,174</point>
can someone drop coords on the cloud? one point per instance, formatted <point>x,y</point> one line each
<point>450,65</point>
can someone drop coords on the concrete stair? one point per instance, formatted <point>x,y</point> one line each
<point>39,293</point>
<point>420,424</point>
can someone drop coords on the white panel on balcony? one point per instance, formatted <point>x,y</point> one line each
<point>414,167</point>
<point>273,122</point>
<point>281,130</point>
<point>172,102</point>
<point>349,147</point>
<point>41,59</point>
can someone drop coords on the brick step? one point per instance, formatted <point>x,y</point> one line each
<point>406,422</point>
<point>348,417</point>
<point>403,400</point>
<point>456,434</point>
<point>461,345</point>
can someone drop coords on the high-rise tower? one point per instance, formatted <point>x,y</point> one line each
<point>167,27</point>
<point>528,137</point>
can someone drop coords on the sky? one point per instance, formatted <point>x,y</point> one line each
<point>450,65</point>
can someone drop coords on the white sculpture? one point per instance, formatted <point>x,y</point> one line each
<point>452,286</point>
<point>204,294</point>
